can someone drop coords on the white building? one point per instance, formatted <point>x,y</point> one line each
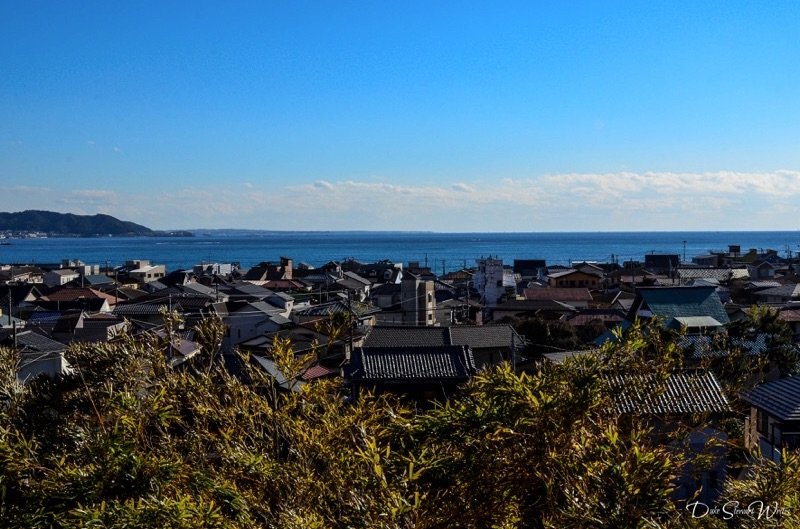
<point>491,280</point>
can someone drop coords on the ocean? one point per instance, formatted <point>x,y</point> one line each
<point>442,251</point>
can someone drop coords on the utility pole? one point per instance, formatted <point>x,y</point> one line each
<point>351,322</point>
<point>684,251</point>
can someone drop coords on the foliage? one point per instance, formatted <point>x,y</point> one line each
<point>128,441</point>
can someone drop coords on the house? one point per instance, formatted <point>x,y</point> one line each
<point>778,295</point>
<point>576,297</point>
<point>489,344</point>
<point>696,307</point>
<point>584,318</point>
<point>422,374</point>
<point>761,269</point>
<point>774,421</point>
<point>529,267</point>
<point>363,314</point>
<point>662,263</point>
<point>58,278</point>
<point>79,295</point>
<point>572,278</point>
<point>526,308</point>
<point>247,320</point>
<point>20,298</point>
<point>38,355</point>
<point>265,271</point>
<point>792,318</point>
<point>79,326</point>
<point>147,273</point>
<point>674,403</point>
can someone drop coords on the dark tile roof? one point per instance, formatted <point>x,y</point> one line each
<point>485,336</point>
<point>475,336</point>
<point>450,362</point>
<point>680,393</point>
<point>33,342</point>
<point>780,398</point>
<point>390,336</point>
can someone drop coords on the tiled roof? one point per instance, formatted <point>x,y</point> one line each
<point>485,336</point>
<point>704,346</point>
<point>530,305</point>
<point>558,294</point>
<point>30,341</point>
<point>318,371</point>
<point>71,294</point>
<point>474,336</point>
<point>680,393</point>
<point>783,291</point>
<point>338,307</point>
<point>411,364</point>
<point>564,273</point>
<point>673,302</point>
<point>780,398</point>
<point>720,274</point>
<point>586,316</point>
<point>790,315</point>
<point>389,336</point>
<point>140,309</point>
<point>753,285</point>
<point>45,317</point>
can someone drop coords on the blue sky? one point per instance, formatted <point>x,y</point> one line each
<point>510,116</point>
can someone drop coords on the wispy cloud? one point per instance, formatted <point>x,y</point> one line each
<point>99,200</point>
<point>554,202</point>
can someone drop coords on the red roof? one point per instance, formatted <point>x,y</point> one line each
<point>73,294</point>
<point>318,371</point>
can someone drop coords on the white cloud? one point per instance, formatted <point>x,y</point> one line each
<point>573,201</point>
<point>101,200</point>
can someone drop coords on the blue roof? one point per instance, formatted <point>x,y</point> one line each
<point>669,303</point>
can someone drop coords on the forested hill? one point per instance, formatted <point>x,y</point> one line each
<point>68,224</point>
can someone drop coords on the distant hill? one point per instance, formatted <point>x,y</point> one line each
<point>68,224</point>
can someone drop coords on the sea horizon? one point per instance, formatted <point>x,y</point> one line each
<point>443,251</point>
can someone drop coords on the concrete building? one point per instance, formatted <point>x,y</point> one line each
<point>417,300</point>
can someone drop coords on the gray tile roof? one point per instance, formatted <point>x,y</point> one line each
<point>680,393</point>
<point>704,346</point>
<point>485,336</point>
<point>791,291</point>
<point>29,341</point>
<point>388,336</point>
<point>475,336</point>
<point>780,398</point>
<point>718,274</point>
<point>339,307</point>
<point>449,362</point>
